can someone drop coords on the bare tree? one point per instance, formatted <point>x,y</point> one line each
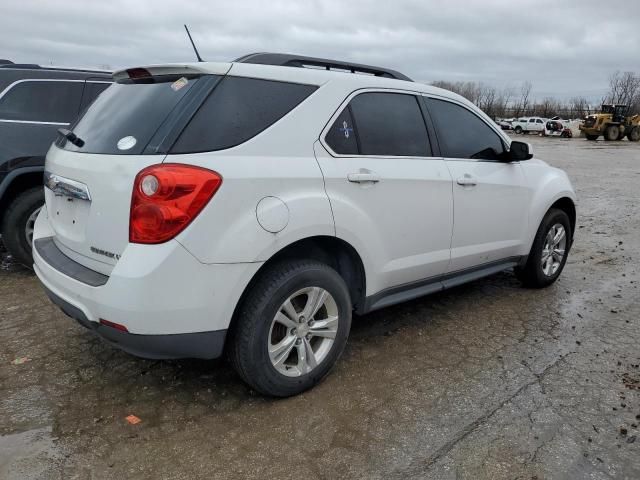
<point>578,107</point>
<point>623,87</point>
<point>525,97</point>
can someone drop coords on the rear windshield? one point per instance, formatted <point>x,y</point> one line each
<point>124,118</point>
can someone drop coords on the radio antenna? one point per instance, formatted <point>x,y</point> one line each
<point>193,45</point>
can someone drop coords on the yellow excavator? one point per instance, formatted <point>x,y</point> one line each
<point>613,122</point>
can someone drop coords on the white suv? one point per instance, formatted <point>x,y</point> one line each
<point>250,207</point>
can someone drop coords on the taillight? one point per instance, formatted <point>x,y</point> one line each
<point>166,198</point>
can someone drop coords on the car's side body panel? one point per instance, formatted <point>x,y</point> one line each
<point>547,185</point>
<point>229,230</point>
<point>490,222</point>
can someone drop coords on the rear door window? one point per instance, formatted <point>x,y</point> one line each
<point>42,101</point>
<point>123,119</point>
<point>462,134</point>
<point>390,124</point>
<point>238,109</point>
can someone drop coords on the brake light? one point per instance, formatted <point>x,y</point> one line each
<point>166,198</point>
<point>136,73</point>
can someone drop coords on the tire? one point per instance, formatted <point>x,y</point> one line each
<point>533,274</point>
<point>634,134</point>
<point>518,129</point>
<point>591,137</point>
<point>612,132</point>
<point>20,214</point>
<point>255,329</point>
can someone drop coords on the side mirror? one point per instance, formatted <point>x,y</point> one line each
<point>520,151</point>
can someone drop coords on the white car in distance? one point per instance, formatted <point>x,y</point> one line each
<point>250,207</point>
<point>528,125</point>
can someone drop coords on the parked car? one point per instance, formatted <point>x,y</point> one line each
<point>504,124</point>
<point>528,125</point>
<point>34,102</point>
<point>250,207</point>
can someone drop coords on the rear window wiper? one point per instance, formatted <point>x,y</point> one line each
<point>72,137</point>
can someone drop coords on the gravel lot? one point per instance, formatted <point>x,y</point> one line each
<point>489,380</point>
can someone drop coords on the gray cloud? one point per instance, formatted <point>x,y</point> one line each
<point>564,48</point>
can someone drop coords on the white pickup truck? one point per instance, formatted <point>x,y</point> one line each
<point>528,124</point>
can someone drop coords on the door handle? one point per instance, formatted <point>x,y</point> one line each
<point>363,177</point>
<point>467,181</point>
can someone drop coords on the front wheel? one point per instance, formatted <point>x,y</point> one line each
<point>18,223</point>
<point>592,137</point>
<point>291,328</point>
<point>549,251</point>
<point>612,133</point>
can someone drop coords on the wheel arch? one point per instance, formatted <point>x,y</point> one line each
<point>16,182</point>
<point>567,205</point>
<point>333,251</point>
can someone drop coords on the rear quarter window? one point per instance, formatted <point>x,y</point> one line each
<point>42,101</point>
<point>238,109</point>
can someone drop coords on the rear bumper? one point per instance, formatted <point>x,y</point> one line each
<point>172,305</point>
<point>206,345</point>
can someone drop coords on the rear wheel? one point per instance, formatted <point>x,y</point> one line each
<point>291,328</point>
<point>591,137</point>
<point>634,134</point>
<point>549,251</point>
<point>18,223</point>
<point>518,130</point>
<point>612,132</point>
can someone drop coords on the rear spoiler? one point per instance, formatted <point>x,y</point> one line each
<point>204,68</point>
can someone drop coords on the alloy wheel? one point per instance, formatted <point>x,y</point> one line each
<point>303,331</point>
<point>554,249</point>
<point>29,227</point>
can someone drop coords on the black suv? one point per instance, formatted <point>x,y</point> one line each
<point>35,102</point>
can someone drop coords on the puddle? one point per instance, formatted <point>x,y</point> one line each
<point>28,455</point>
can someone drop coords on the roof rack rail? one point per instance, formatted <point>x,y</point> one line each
<point>19,65</point>
<point>289,60</point>
<point>34,66</point>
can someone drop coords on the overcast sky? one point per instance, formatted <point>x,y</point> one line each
<point>564,47</point>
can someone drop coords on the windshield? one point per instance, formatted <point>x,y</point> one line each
<point>124,118</point>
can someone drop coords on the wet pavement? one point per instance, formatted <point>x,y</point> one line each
<point>488,380</point>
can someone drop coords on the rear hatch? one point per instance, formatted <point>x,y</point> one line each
<point>90,173</point>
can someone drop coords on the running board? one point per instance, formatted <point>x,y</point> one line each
<point>409,291</point>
